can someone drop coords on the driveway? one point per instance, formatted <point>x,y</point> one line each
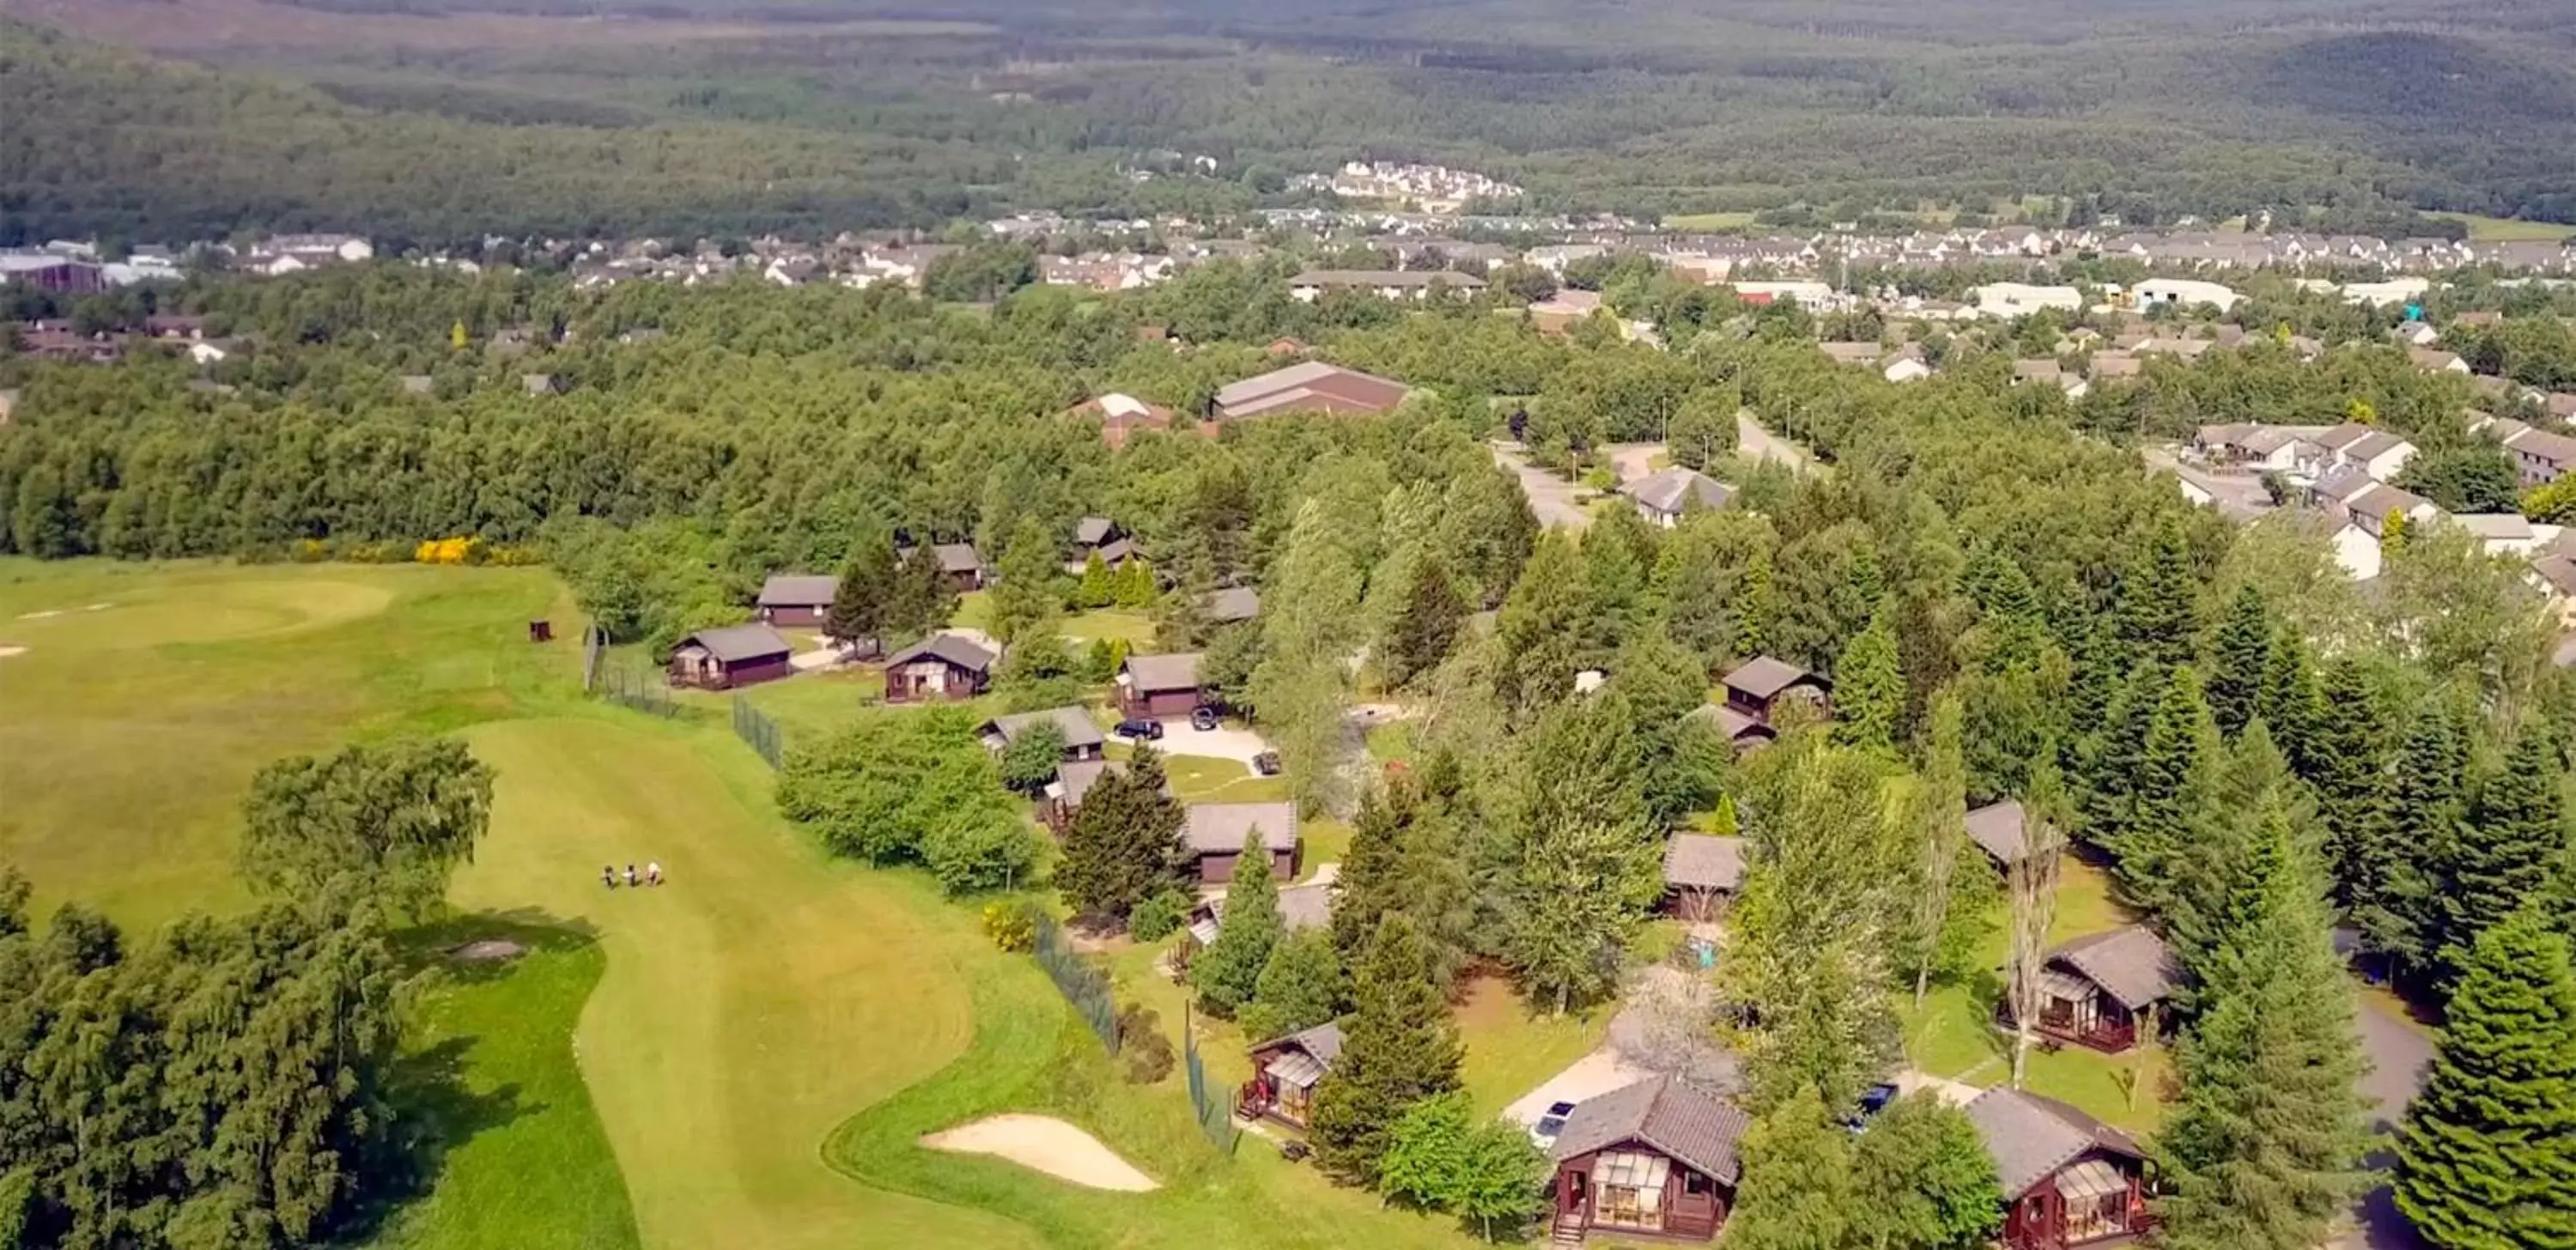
<point>2237,496</point>
<point>1225,742</point>
<point>1755,443</point>
<point>1550,496</point>
<point>1598,1073</point>
<point>2399,1053</point>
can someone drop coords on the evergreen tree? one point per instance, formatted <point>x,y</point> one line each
<point>923,599</point>
<point>1124,843</point>
<point>2239,655</point>
<point>1589,863</point>
<point>1941,813</point>
<point>1798,1191</point>
<point>2425,798</point>
<point>2166,791</point>
<point>2262,1151</point>
<point>1399,1046</point>
<point>2225,845</point>
<point>1300,986</point>
<point>863,598</point>
<point>1097,589</point>
<point>1931,1185</point>
<point>1025,600</point>
<point>2159,599</point>
<point>2350,775</point>
<point>1869,686</point>
<point>1228,973</point>
<point>2487,1159</point>
<point>1426,625</point>
<point>2503,852</point>
<point>2291,702</point>
<point>1133,588</point>
<point>2112,755</point>
<point>1372,880</point>
<point>1541,631</point>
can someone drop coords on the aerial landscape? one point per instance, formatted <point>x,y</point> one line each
<point>1180,624</point>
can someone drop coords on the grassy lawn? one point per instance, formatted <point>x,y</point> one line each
<point>1951,1034</point>
<point>1394,742</point>
<point>2507,230</point>
<point>1209,779</point>
<point>1708,221</point>
<point>1510,1048</point>
<point>1136,629</point>
<point>807,705</point>
<point>522,1160</point>
<point>149,693</point>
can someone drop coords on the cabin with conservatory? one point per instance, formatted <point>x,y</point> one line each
<point>2068,1179</point>
<point>1653,1161</point>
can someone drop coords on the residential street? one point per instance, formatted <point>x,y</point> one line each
<point>2237,496</point>
<point>1755,443</point>
<point>2399,1053</point>
<point>1550,496</point>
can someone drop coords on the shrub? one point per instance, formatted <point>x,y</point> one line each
<point>1012,926</point>
<point>1144,1054</point>
<point>1159,916</point>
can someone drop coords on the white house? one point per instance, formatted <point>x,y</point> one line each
<point>205,353</point>
<point>2393,291</point>
<point>1809,295</point>
<point>2184,293</point>
<point>2016,299</point>
<point>1906,369</point>
<point>2375,452</point>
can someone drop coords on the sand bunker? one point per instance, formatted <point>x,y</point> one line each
<point>38,616</point>
<point>6,651</point>
<point>487,951</point>
<point>1047,1144</point>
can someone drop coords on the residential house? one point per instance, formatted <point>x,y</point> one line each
<point>1906,364</point>
<point>2499,533</point>
<point>2114,366</point>
<point>1651,1160</point>
<point>2370,508</point>
<point>1062,798</point>
<point>2184,293</point>
<point>1161,685</point>
<point>2271,448</point>
<point>2554,575</point>
<point>1312,386</point>
<point>1385,283</point>
<point>1702,872</point>
<point>8,405</point>
<point>1301,907</point>
<point>419,384</point>
<point>540,384</point>
<point>2435,360</point>
<point>1213,833</point>
<point>2096,990</point>
<point>736,655</point>
<point>1762,685</point>
<point>1860,354</point>
<point>960,564</point>
<point>2379,453</point>
<point>796,598</point>
<point>2416,334</point>
<point>940,667</point>
<point>2002,831</point>
<point>2178,348</point>
<point>2048,372</point>
<point>1099,536</point>
<point>1120,416</point>
<point>1082,739</point>
<point>1285,1072</point>
<point>2541,455</point>
<point>1663,496</point>
<point>2068,1179</point>
<point>1740,729</point>
<point>1233,605</point>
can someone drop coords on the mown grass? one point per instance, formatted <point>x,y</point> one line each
<point>1708,221</point>
<point>1511,1047</point>
<point>2509,230</point>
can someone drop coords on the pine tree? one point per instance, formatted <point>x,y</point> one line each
<point>1589,863</point>
<point>2487,1159</point>
<point>1228,973</point>
<point>1427,624</point>
<point>2290,701</point>
<point>2166,791</point>
<point>2502,852</point>
<point>2350,774</point>
<point>1134,589</point>
<point>1399,1046</point>
<point>1025,600</point>
<point>1797,1191</point>
<point>1541,631</point>
<point>2108,767</point>
<point>1372,881</point>
<point>1869,686</point>
<point>1300,986</point>
<point>2262,1151</point>
<point>2425,797</point>
<point>923,598</point>
<point>864,595</point>
<point>2012,630</point>
<point>1124,842</point>
<point>2238,656</point>
<point>2225,844</point>
<point>1096,590</point>
<point>2159,599</point>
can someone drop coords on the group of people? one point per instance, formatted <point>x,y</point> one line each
<point>652,875</point>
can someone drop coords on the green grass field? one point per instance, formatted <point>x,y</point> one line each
<point>1708,221</point>
<point>2508,230</point>
<point>1952,1034</point>
<point>743,1056</point>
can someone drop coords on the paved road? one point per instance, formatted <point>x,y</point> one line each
<point>1755,443</point>
<point>2238,496</point>
<point>2399,1053</point>
<point>1550,496</point>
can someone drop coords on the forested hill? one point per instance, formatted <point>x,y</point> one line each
<point>102,141</point>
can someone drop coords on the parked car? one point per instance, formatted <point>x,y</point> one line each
<point>1545,1131</point>
<point>1140,728</point>
<point>1203,719</point>
<point>1872,1101</point>
<point>1266,763</point>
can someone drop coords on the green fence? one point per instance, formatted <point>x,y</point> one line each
<point>1213,1107</point>
<point>754,726</point>
<point>1086,987</point>
<point>643,689</point>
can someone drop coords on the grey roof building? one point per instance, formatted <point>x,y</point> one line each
<point>1672,1115</point>
<point>1702,861</point>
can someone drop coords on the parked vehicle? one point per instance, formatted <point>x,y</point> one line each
<point>1266,763</point>
<point>1545,1131</point>
<point>1140,728</point>
<point>1203,719</point>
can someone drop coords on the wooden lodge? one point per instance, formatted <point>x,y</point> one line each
<point>1702,872</point>
<point>796,599</point>
<point>1213,834</point>
<point>2068,1179</point>
<point>1160,685</point>
<point>1999,829</point>
<point>1082,739</point>
<point>1285,1072</point>
<point>1301,907</point>
<point>1761,686</point>
<point>940,667</point>
<point>1740,729</point>
<point>1102,537</point>
<point>1062,798</point>
<point>2096,990</point>
<point>1653,1161</point>
<point>734,656</point>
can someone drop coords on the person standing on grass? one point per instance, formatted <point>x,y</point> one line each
<point>631,878</point>
<point>608,875</point>
<point>653,873</point>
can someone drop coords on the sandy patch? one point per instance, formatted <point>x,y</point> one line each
<point>98,607</point>
<point>487,951</point>
<point>1048,1145</point>
<point>38,616</point>
<point>6,651</point>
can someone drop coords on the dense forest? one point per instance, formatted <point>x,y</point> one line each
<point>2008,608</point>
<point>422,123</point>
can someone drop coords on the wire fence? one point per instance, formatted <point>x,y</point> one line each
<point>754,727</point>
<point>594,653</point>
<point>642,689</point>
<point>1214,1110</point>
<point>1086,987</point>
